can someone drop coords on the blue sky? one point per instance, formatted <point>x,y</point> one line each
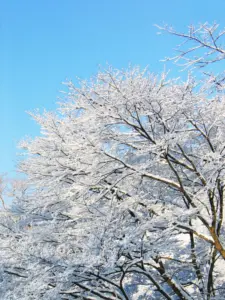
<point>45,42</point>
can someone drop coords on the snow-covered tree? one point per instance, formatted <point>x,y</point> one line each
<point>124,197</point>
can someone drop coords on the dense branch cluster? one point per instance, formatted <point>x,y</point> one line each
<point>124,195</point>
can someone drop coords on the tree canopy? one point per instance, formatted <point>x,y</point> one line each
<point>124,189</point>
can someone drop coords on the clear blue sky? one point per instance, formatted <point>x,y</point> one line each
<point>44,42</point>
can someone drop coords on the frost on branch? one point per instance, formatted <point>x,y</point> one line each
<point>202,47</point>
<point>124,195</point>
